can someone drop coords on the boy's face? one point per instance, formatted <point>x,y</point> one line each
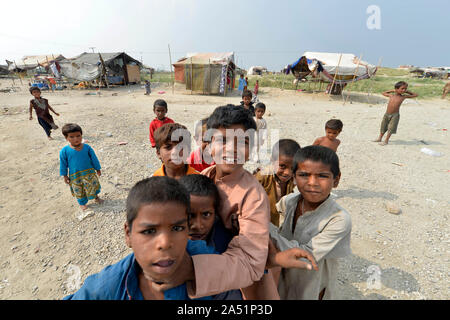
<point>74,138</point>
<point>201,219</point>
<point>402,89</point>
<point>332,133</point>
<point>158,237</point>
<point>259,113</point>
<point>160,112</point>
<point>36,93</point>
<point>315,181</point>
<point>247,100</point>
<point>283,167</point>
<point>230,152</point>
<point>171,156</point>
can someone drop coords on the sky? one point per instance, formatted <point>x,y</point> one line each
<point>260,32</point>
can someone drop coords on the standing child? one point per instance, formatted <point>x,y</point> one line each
<point>41,107</point>
<point>147,87</point>
<point>80,160</point>
<point>277,179</point>
<point>156,229</point>
<point>246,83</point>
<point>200,158</point>
<point>333,128</point>
<point>313,222</point>
<point>173,151</point>
<point>261,128</point>
<point>241,84</point>
<point>392,116</point>
<point>160,110</point>
<point>246,102</point>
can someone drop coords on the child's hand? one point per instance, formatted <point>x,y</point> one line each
<point>66,179</point>
<point>99,173</point>
<point>290,259</point>
<point>57,114</point>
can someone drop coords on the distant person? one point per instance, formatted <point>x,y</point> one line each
<point>261,128</point>
<point>79,166</point>
<point>392,116</point>
<point>333,128</point>
<point>156,229</point>
<point>314,222</point>
<point>160,110</point>
<point>256,89</point>
<point>172,155</point>
<point>41,107</point>
<point>147,87</point>
<point>446,90</point>
<point>247,101</point>
<point>241,84</point>
<point>246,83</point>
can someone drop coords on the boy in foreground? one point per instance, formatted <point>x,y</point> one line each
<point>391,118</point>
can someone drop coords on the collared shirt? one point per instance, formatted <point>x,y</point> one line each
<point>325,232</point>
<point>244,210</point>
<point>120,281</point>
<point>161,171</point>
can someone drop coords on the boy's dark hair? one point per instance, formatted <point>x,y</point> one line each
<point>334,124</point>
<point>159,103</point>
<point>226,116</point>
<point>202,186</point>
<point>155,190</point>
<point>260,105</point>
<point>399,84</point>
<point>318,154</point>
<point>284,147</point>
<point>34,88</point>
<point>247,93</point>
<point>164,133</point>
<point>70,128</point>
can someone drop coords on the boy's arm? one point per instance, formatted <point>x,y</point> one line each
<point>152,130</point>
<point>51,109</point>
<point>317,142</point>
<point>94,159</point>
<point>387,93</point>
<point>320,245</point>
<point>31,111</point>
<point>411,95</point>
<point>63,164</point>
<point>245,258</point>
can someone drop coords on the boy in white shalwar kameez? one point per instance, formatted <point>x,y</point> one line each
<point>314,222</point>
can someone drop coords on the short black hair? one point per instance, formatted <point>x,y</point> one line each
<point>318,154</point>
<point>334,124</point>
<point>155,190</point>
<point>399,84</point>
<point>70,128</point>
<point>202,186</point>
<point>159,103</point>
<point>226,116</point>
<point>33,88</point>
<point>284,147</point>
<point>260,105</point>
<point>247,93</point>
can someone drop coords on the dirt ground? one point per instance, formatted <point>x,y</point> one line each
<point>44,243</point>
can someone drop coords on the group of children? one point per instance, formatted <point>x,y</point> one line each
<point>203,227</point>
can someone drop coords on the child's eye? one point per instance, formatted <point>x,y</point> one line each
<point>326,176</point>
<point>206,214</point>
<point>178,228</point>
<point>149,231</point>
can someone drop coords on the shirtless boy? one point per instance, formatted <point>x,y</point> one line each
<point>333,128</point>
<point>392,115</point>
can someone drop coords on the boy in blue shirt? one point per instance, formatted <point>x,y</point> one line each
<point>157,231</point>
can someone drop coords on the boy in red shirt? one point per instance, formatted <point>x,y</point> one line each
<point>160,110</point>
<point>200,158</point>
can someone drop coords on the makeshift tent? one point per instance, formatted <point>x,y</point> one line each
<point>119,67</point>
<point>256,70</point>
<point>3,70</point>
<point>439,73</point>
<point>42,60</point>
<point>211,73</point>
<point>328,67</point>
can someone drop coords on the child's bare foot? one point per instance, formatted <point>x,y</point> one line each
<point>50,138</point>
<point>98,200</point>
<point>383,143</point>
<point>83,207</point>
<point>377,140</point>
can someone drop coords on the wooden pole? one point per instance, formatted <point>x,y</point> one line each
<point>192,85</point>
<point>209,81</point>
<point>371,80</point>
<point>18,73</point>
<point>335,75</point>
<point>171,74</point>
<point>104,72</point>
<point>353,79</point>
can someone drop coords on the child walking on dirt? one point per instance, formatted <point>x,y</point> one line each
<point>392,116</point>
<point>41,106</point>
<point>80,160</point>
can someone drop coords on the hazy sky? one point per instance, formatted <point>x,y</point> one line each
<point>260,32</point>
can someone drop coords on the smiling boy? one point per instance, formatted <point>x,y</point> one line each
<point>313,222</point>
